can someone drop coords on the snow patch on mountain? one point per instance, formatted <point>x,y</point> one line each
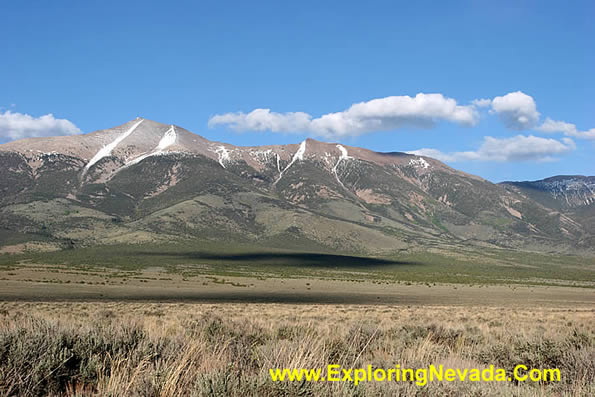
<point>168,139</point>
<point>223,155</point>
<point>263,157</point>
<point>107,149</point>
<point>299,155</point>
<point>419,163</point>
<point>344,156</point>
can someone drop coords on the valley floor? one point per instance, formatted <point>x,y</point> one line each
<point>212,330</point>
<point>61,283</point>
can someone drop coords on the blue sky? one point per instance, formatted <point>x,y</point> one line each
<point>100,64</point>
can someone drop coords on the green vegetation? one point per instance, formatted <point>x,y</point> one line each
<point>208,258</point>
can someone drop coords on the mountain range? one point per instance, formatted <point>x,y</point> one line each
<point>147,182</point>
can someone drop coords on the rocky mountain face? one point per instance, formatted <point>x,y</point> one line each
<point>569,191</point>
<point>149,182</point>
<point>573,195</point>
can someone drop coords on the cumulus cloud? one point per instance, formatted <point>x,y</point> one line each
<point>18,125</point>
<point>569,129</point>
<point>421,111</point>
<point>516,110</point>
<point>514,149</point>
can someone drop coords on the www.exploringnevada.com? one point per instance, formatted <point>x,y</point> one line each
<point>419,376</point>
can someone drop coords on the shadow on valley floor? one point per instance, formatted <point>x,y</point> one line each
<point>283,258</point>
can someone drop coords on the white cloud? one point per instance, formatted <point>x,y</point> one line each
<point>518,148</point>
<point>482,103</point>
<point>569,129</point>
<point>589,134</point>
<point>516,110</point>
<point>18,125</point>
<point>264,120</point>
<point>421,111</point>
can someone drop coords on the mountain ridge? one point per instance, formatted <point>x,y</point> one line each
<point>147,181</point>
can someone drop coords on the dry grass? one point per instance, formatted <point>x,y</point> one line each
<point>136,349</point>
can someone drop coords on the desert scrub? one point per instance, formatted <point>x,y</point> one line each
<point>41,356</point>
<point>121,349</point>
<point>573,354</point>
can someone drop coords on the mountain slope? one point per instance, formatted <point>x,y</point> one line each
<point>562,191</point>
<point>571,195</point>
<point>146,181</point>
